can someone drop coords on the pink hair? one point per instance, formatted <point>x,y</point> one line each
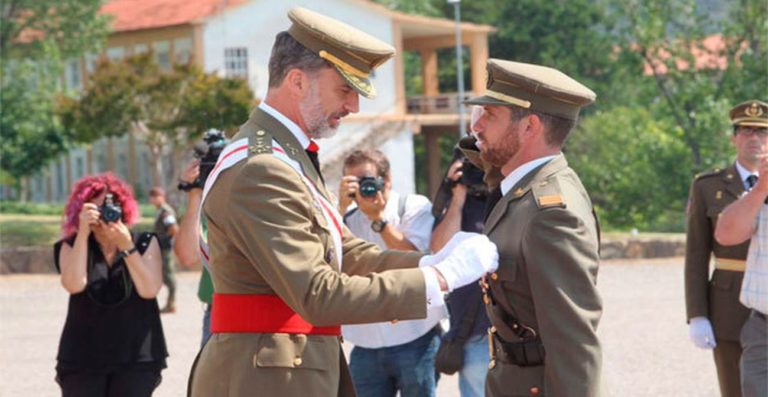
<point>90,187</point>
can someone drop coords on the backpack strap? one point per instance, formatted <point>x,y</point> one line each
<point>401,206</point>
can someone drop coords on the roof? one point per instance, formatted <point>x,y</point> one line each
<point>132,15</point>
<point>707,54</point>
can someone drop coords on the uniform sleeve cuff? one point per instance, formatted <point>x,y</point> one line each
<point>432,285</point>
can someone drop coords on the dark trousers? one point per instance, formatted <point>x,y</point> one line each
<point>727,355</point>
<point>124,383</point>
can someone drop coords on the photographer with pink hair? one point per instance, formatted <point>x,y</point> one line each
<point>112,343</point>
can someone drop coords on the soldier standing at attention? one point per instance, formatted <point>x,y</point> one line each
<point>715,315</point>
<point>166,228</point>
<point>543,302</point>
<point>286,271</point>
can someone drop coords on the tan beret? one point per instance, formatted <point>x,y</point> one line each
<point>354,53</point>
<point>534,87</point>
<point>751,113</point>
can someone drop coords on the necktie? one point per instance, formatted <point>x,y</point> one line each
<point>751,181</point>
<point>312,150</point>
<point>491,201</point>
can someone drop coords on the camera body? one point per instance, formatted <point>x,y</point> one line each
<point>110,211</point>
<point>208,152</point>
<point>369,186</point>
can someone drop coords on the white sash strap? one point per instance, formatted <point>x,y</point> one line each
<point>238,151</point>
<point>332,217</point>
<point>232,154</point>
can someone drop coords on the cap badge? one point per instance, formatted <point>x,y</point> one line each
<point>754,110</point>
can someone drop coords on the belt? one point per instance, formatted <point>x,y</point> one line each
<point>260,314</point>
<point>734,265</point>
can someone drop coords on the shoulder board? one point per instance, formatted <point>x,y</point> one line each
<point>714,172</point>
<point>260,143</point>
<point>547,194</point>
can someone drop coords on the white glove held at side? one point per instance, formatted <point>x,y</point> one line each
<point>700,331</point>
<point>468,261</point>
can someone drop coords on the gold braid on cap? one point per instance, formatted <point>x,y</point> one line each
<point>509,99</point>
<point>343,65</point>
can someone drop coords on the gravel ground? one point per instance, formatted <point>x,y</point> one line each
<point>645,344</point>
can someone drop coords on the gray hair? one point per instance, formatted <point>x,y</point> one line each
<point>287,54</point>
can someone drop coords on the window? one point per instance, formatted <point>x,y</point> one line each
<point>182,51</point>
<point>236,62</point>
<point>115,53</point>
<point>73,79</point>
<point>162,54</point>
<point>90,62</point>
<point>139,49</point>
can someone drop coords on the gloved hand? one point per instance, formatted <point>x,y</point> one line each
<point>468,261</point>
<point>700,331</point>
<point>455,241</point>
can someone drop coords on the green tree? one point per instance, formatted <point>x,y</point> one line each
<point>674,39</point>
<point>165,109</point>
<point>35,36</point>
<point>632,165</point>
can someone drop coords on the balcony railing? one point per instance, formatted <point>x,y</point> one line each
<point>447,103</point>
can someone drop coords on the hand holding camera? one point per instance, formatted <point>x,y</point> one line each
<point>207,152</point>
<point>367,192</point>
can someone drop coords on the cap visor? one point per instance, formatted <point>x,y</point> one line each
<point>752,124</point>
<point>360,84</point>
<point>485,100</point>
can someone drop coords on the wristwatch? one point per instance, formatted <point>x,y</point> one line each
<point>378,226</point>
<point>125,253</point>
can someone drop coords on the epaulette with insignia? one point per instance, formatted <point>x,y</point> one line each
<point>259,143</point>
<point>714,172</point>
<point>547,194</point>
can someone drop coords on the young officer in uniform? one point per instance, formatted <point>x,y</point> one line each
<point>715,315</point>
<point>286,271</point>
<point>543,302</point>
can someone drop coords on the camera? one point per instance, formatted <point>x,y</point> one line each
<point>208,152</point>
<point>370,185</point>
<point>472,178</point>
<point>110,212</point>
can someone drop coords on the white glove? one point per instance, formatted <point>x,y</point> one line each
<point>700,331</point>
<point>456,240</point>
<point>468,261</point>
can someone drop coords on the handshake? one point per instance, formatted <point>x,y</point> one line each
<point>466,258</point>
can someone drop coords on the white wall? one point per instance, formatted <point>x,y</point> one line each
<point>255,24</point>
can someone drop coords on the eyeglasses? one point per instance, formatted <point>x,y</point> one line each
<point>761,132</point>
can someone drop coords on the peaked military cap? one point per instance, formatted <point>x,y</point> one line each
<point>354,53</point>
<point>534,87</point>
<point>751,113</point>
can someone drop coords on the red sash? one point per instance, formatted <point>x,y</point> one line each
<point>260,314</point>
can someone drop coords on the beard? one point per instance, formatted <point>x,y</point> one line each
<point>311,109</point>
<point>505,150</point>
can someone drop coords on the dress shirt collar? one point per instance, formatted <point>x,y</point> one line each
<point>744,174</point>
<point>520,172</point>
<point>288,123</point>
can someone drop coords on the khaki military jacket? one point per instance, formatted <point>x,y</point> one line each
<point>548,241</point>
<point>266,236</point>
<point>716,298</point>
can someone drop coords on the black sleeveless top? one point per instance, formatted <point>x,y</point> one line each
<point>109,326</point>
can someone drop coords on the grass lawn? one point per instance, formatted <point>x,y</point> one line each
<point>18,230</point>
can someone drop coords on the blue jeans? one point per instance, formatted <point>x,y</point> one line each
<point>409,368</point>
<point>473,372</point>
<point>206,325</point>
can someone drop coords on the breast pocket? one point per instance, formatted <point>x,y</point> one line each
<point>507,272</point>
<point>294,351</point>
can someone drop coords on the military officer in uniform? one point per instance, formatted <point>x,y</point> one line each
<point>542,302</point>
<point>286,271</point>
<point>715,315</point>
